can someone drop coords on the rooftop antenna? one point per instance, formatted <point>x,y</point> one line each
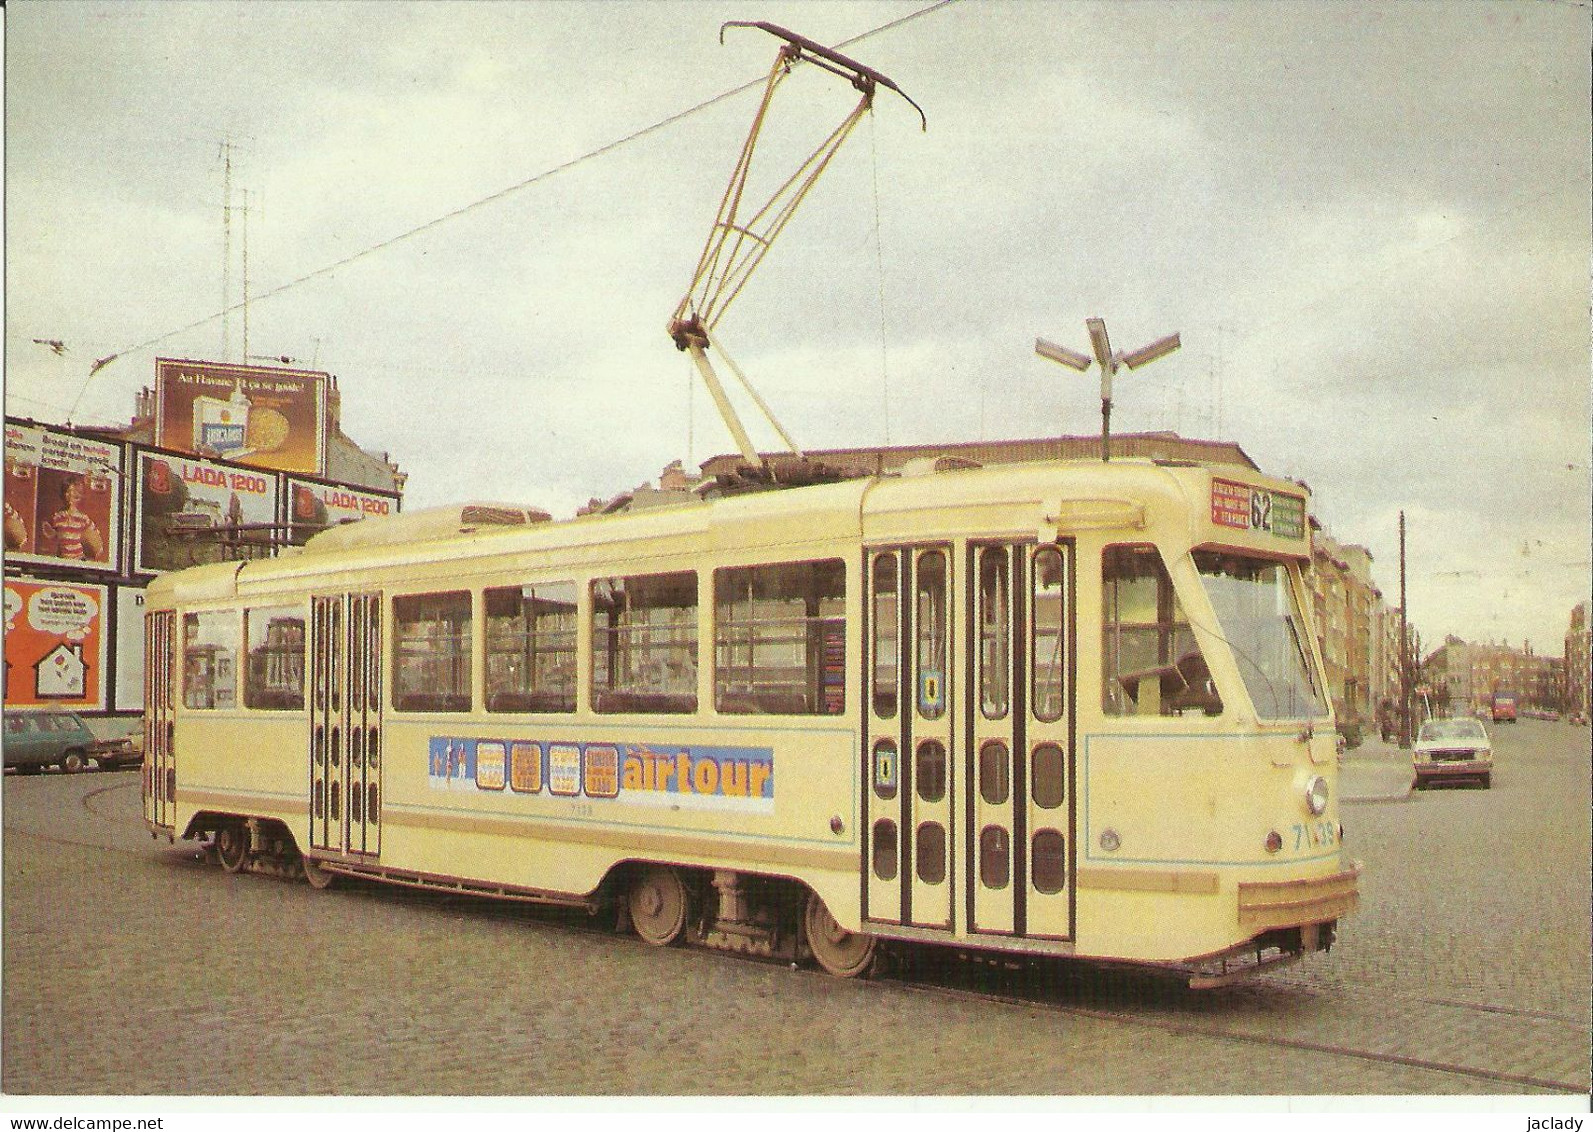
<point>736,246</point>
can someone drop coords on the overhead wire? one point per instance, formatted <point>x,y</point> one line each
<point>590,155</point>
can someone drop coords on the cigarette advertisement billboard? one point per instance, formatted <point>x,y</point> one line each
<point>62,499</point>
<point>55,644</point>
<point>188,510</point>
<point>267,417</point>
<point>312,507</point>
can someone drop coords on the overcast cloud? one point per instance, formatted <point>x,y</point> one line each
<point>1369,222</point>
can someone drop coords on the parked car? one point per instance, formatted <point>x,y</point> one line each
<point>1453,750</point>
<point>110,754</point>
<point>37,739</point>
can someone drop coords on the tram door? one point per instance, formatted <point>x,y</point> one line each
<point>1018,828</point>
<point>160,773</point>
<point>346,723</point>
<point>910,738</point>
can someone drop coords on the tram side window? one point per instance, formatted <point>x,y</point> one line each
<point>1153,666</point>
<point>780,639</point>
<point>644,643</point>
<point>210,660</point>
<point>531,647</point>
<point>431,652</point>
<point>274,669</point>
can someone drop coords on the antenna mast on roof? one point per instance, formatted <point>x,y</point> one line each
<point>736,246</point>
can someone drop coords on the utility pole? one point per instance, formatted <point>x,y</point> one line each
<point>1108,362</point>
<point>226,248</point>
<point>1404,645</point>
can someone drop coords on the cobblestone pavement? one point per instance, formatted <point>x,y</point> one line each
<point>132,968</point>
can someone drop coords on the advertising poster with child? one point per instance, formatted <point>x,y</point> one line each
<point>61,499</point>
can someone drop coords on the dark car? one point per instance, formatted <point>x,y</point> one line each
<point>37,739</point>
<point>128,750</point>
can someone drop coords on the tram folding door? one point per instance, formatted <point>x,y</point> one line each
<point>1019,770</point>
<point>160,770</point>
<point>346,723</point>
<point>909,797</point>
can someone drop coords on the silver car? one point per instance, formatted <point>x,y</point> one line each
<point>1453,750</point>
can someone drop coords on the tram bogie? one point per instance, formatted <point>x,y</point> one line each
<point>1059,709</point>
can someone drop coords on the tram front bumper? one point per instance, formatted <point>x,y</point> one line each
<point>1266,905</point>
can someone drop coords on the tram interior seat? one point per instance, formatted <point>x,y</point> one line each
<point>644,703</point>
<point>764,703</point>
<point>531,702</point>
<point>1185,685</point>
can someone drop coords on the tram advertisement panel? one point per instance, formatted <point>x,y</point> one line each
<point>185,505</point>
<point>267,417</point>
<point>55,645</point>
<point>690,777</point>
<point>62,499</point>
<point>312,507</point>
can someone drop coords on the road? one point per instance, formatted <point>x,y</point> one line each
<point>131,967</point>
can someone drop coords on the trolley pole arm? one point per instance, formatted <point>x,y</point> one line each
<point>801,47</point>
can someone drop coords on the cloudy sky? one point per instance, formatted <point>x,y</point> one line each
<point>1369,222</point>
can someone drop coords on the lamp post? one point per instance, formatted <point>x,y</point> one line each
<point>1108,362</point>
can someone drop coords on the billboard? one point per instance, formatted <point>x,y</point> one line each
<point>129,646</point>
<point>62,499</point>
<point>270,418</point>
<point>181,503</point>
<point>55,644</point>
<point>312,507</point>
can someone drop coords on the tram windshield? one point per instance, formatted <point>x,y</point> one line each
<point>1261,623</point>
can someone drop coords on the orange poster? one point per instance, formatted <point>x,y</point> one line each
<point>55,645</point>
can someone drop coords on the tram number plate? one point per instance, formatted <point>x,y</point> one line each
<point>1315,835</point>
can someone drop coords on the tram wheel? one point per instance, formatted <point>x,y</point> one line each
<point>232,846</point>
<point>658,906</point>
<point>840,952</point>
<point>318,877</point>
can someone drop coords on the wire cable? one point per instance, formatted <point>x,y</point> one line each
<point>429,225</point>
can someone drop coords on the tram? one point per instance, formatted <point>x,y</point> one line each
<point>1064,708</point>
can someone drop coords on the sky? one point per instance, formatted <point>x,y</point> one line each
<point>1368,222</point>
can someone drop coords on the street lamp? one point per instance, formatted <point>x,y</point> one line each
<point>1108,362</point>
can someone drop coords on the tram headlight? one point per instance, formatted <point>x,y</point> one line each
<point>1316,794</point>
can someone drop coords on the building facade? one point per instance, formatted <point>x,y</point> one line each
<point>1578,673</point>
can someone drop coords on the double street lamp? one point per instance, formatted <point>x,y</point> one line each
<point>1108,362</point>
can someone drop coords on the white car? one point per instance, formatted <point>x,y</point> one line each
<point>1453,750</point>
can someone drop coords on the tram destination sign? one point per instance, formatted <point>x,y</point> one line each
<point>1246,508</point>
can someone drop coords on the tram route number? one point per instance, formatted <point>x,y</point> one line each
<point>1314,835</point>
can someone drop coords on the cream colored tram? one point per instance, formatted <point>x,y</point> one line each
<point>1068,708</point>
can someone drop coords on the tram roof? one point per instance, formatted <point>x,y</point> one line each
<point>918,500</point>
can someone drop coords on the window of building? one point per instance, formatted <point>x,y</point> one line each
<point>210,660</point>
<point>431,652</point>
<point>531,647</point>
<point>274,672</point>
<point>644,643</point>
<point>1152,664</point>
<point>780,639</point>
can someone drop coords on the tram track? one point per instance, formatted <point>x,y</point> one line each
<point>1162,1005</point>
